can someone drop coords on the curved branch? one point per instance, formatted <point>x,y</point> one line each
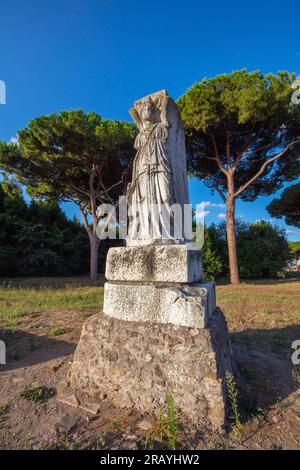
<point>264,166</point>
<point>221,193</point>
<point>227,148</point>
<point>216,188</point>
<point>219,163</point>
<point>210,158</point>
<point>79,190</point>
<point>85,221</point>
<point>105,191</point>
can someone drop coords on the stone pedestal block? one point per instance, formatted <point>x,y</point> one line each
<point>154,263</point>
<point>135,364</point>
<point>160,303</point>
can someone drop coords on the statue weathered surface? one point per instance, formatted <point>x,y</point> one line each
<point>159,170</point>
<point>160,330</point>
<point>156,251</point>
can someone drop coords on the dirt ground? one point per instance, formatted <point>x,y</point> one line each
<point>269,397</point>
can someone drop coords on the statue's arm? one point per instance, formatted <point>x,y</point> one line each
<point>135,116</point>
<point>163,113</point>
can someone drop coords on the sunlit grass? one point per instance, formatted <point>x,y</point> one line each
<point>259,307</point>
<point>262,316</point>
<point>250,305</point>
<point>17,301</point>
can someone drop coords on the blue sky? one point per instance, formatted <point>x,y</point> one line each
<point>101,55</point>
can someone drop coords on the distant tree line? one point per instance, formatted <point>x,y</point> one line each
<point>73,157</point>
<point>243,141</point>
<point>37,238</point>
<point>263,250</point>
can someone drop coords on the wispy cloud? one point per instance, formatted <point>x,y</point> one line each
<point>289,232</point>
<point>222,215</point>
<point>13,140</point>
<point>212,205</point>
<point>200,214</point>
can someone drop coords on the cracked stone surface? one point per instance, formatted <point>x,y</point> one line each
<point>184,305</point>
<point>134,365</point>
<point>154,263</point>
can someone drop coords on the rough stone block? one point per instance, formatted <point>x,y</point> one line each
<point>154,263</point>
<point>178,304</point>
<point>134,365</point>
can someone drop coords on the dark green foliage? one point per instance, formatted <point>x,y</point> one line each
<point>212,262</point>
<point>263,250</point>
<point>38,240</point>
<point>72,156</point>
<point>57,154</point>
<point>240,121</point>
<point>243,138</point>
<point>287,206</point>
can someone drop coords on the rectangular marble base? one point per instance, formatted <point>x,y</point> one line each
<point>154,263</point>
<point>159,303</point>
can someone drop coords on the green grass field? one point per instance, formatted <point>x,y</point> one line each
<point>26,297</point>
<point>294,246</point>
<point>251,305</point>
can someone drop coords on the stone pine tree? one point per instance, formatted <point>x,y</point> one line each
<point>73,156</point>
<point>243,138</point>
<point>287,206</point>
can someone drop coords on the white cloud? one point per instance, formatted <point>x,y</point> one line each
<point>212,205</point>
<point>13,140</point>
<point>222,215</point>
<point>201,214</point>
<point>289,232</point>
<point>219,206</point>
<point>204,204</point>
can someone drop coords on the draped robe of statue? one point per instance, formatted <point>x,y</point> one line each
<point>133,354</point>
<point>159,171</point>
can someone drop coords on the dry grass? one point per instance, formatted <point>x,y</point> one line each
<point>263,314</point>
<point>260,305</point>
<point>257,305</point>
<point>25,297</point>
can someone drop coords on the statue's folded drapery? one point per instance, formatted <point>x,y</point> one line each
<point>150,188</point>
<point>159,170</point>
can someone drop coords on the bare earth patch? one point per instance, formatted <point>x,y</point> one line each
<point>263,318</point>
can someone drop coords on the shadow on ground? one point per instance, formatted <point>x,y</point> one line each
<point>24,349</point>
<point>264,361</point>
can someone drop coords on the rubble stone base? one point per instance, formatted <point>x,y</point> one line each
<point>135,364</point>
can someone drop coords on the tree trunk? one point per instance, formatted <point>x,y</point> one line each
<point>94,247</point>
<point>231,241</point>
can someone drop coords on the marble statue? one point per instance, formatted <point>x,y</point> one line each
<point>160,330</point>
<point>159,170</point>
